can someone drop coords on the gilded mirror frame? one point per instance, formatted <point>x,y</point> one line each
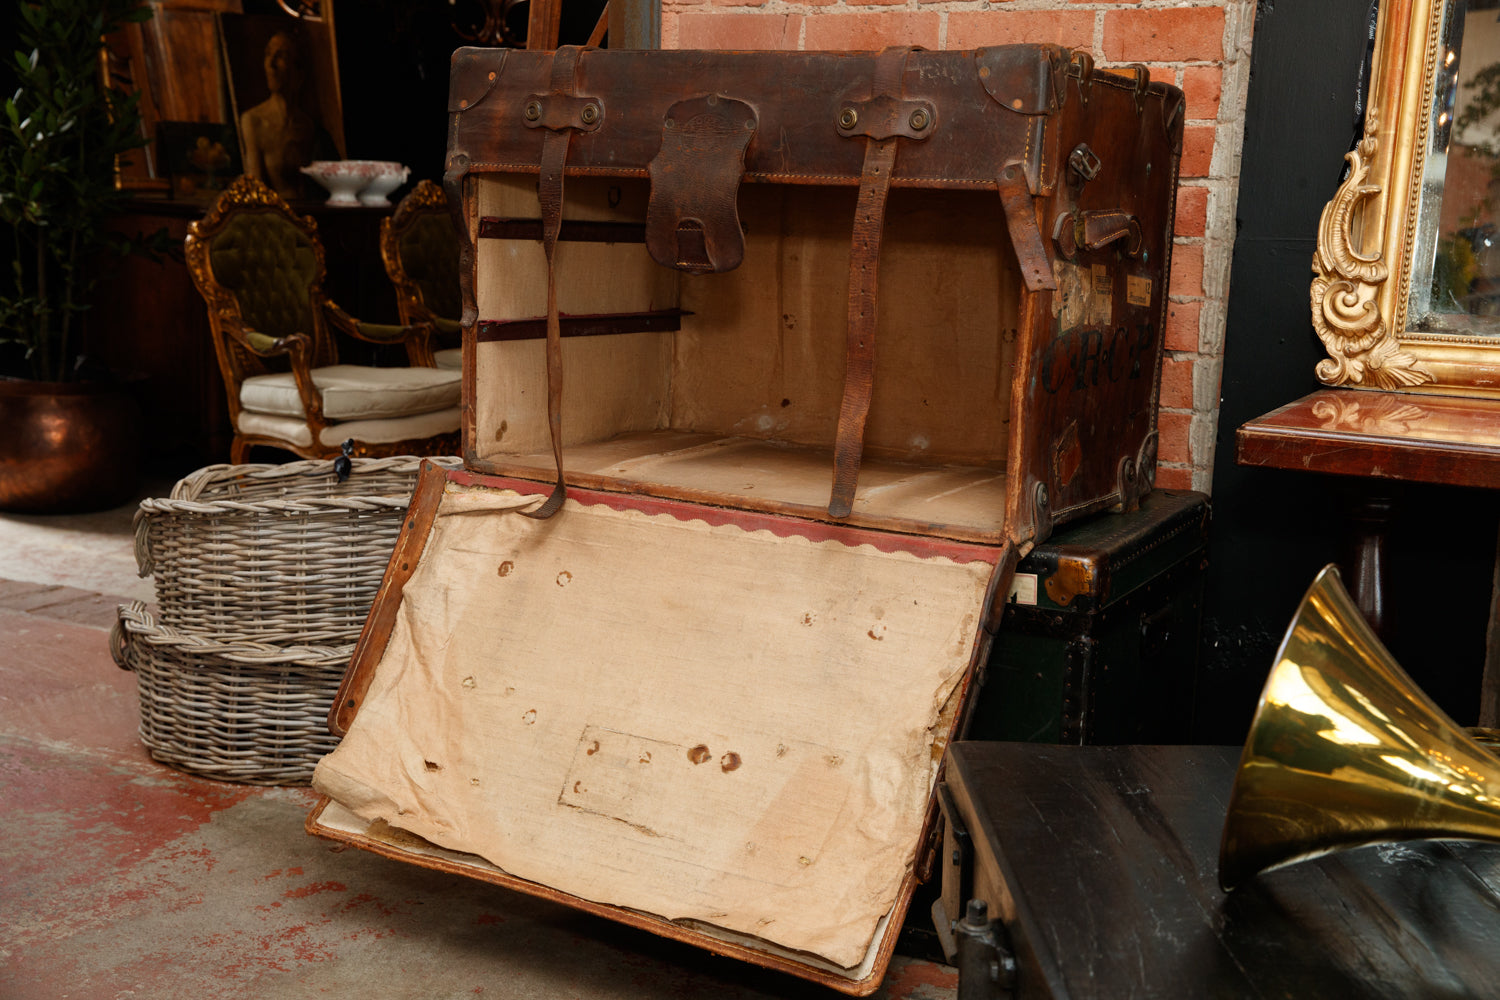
<point>1364,262</point>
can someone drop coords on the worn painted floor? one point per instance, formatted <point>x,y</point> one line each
<point>122,878</point>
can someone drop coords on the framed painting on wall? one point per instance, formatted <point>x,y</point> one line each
<point>284,89</point>
<point>200,158</point>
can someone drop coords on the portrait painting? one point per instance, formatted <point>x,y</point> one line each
<point>284,91</point>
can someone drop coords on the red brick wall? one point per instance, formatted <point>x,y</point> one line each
<point>1202,46</point>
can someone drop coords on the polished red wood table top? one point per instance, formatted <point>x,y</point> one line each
<point>1452,440</point>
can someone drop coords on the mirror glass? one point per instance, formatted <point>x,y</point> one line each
<point>1455,283</point>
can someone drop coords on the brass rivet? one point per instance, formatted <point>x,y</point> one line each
<point>919,120</point>
<point>463,104</point>
<point>590,113</point>
<point>533,110</point>
<point>848,118</point>
<point>492,76</point>
<point>1016,104</point>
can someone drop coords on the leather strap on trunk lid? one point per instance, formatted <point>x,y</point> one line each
<point>561,113</point>
<point>882,119</point>
<point>1025,235</point>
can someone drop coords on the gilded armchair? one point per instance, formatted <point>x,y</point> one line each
<point>420,248</point>
<point>260,268</point>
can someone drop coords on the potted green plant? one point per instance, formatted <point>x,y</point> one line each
<point>70,438</point>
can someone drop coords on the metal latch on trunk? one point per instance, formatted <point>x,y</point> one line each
<point>986,965</point>
<point>957,879</point>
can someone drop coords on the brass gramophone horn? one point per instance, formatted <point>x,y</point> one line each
<point>1346,750</point>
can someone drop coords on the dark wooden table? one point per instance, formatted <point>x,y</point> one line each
<point>1103,864</point>
<point>1386,437</point>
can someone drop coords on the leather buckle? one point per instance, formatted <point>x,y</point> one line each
<point>1084,162</point>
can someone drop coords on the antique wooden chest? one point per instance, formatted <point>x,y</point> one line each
<point>775,364</point>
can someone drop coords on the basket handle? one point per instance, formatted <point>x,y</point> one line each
<point>145,562</point>
<point>119,641</point>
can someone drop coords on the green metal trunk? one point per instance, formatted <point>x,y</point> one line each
<point>1100,639</point>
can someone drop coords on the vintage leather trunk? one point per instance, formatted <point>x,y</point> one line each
<point>775,364</point>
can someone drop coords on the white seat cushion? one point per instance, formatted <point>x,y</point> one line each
<point>294,429</point>
<point>356,392</point>
<point>453,357</point>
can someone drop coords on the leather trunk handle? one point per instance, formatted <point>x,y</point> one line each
<point>1095,231</point>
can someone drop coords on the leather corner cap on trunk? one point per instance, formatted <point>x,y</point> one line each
<point>724,725</point>
<point>357,392</point>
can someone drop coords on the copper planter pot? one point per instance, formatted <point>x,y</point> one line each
<point>67,447</point>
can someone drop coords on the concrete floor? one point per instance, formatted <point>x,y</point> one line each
<point>122,878</point>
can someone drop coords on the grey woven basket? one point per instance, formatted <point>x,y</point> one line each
<point>283,554</point>
<point>229,707</point>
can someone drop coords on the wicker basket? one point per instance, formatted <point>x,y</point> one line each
<point>230,708</point>
<point>283,554</point>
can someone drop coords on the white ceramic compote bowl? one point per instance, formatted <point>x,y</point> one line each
<point>387,177</point>
<point>343,178</point>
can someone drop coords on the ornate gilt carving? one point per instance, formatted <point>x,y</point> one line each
<point>247,192</point>
<point>1363,350</point>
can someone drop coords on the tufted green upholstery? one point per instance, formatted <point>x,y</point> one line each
<point>259,267</point>
<point>429,255</point>
<point>270,267</point>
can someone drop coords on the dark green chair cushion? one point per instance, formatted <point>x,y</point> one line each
<point>270,266</point>
<point>429,256</point>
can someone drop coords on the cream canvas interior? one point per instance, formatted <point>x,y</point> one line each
<point>754,379</point>
<point>633,709</point>
<point>331,819</point>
